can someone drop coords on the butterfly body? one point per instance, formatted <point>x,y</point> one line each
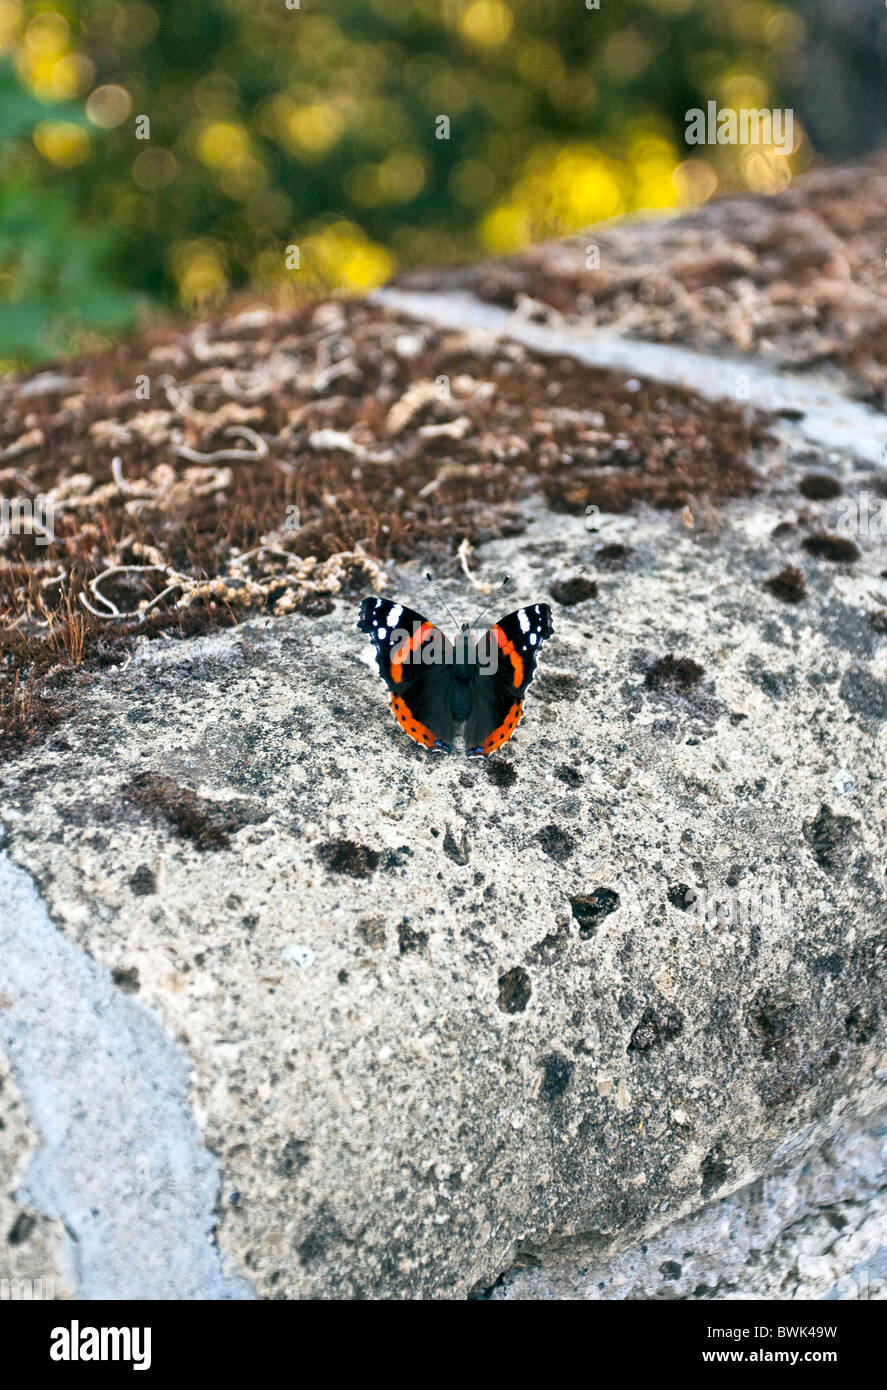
<point>437,685</point>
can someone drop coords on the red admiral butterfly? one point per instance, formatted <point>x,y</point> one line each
<point>437,685</point>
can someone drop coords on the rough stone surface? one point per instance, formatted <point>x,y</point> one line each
<point>445,1021</point>
<point>32,1247</point>
<point>121,1164</point>
<point>816,1228</point>
<point>395,1112</point>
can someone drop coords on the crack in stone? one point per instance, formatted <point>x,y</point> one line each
<point>121,1162</point>
<point>828,418</point>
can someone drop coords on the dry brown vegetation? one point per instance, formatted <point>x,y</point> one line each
<point>798,277</point>
<point>172,464</point>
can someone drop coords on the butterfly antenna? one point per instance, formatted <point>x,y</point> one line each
<point>491,600</point>
<point>440,598</point>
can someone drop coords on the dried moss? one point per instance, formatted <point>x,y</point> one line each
<point>383,439</point>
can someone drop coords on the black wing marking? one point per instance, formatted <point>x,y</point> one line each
<point>499,705</point>
<point>415,662</point>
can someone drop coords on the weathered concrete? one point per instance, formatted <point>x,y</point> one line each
<point>33,1247</point>
<point>412,1056</point>
<point>816,1228</point>
<point>121,1165</point>
<point>404,1026</point>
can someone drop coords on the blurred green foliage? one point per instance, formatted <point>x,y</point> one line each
<point>318,125</point>
<point>56,272</point>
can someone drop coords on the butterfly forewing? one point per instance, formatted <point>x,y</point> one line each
<point>502,684</point>
<point>415,662</point>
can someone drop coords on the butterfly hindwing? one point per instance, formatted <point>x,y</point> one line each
<point>499,701</point>
<point>420,689</point>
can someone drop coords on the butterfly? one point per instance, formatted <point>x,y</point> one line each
<point>437,685</point>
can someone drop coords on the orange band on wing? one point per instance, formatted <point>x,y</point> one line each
<point>508,650</point>
<point>505,729</point>
<point>400,656</point>
<point>411,726</point>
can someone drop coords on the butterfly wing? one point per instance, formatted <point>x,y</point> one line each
<point>414,662</point>
<point>500,690</point>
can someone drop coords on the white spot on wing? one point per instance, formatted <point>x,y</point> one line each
<point>381,633</point>
<point>395,615</point>
<point>523,620</point>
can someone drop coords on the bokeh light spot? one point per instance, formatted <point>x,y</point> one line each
<point>108,105</point>
<point>486,22</point>
<point>62,143</point>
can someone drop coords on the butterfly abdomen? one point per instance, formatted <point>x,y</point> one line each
<point>460,699</point>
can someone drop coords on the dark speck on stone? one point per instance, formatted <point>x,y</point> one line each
<point>673,673</point>
<point>396,858</point>
<point>682,896</point>
<point>410,941</point>
<point>142,882</point>
<point>557,1072</point>
<point>656,1027</point>
<point>589,909</point>
<point>773,1022</point>
<point>372,929</point>
<point>819,487</point>
<point>293,1158</point>
<point>670,1270</point>
<point>558,685</point>
<point>714,1171</point>
<point>457,850</point>
<point>861,1023</point>
<point>501,773</point>
<point>514,990</point>
<point>326,1233</point>
<point>126,979</point>
<point>837,549</point>
<point>578,589</point>
<point>569,775</point>
<point>613,557</point>
<point>206,823</point>
<point>21,1228</point>
<point>346,857</point>
<point>556,843</point>
<point>789,584</point>
<point>831,839</point>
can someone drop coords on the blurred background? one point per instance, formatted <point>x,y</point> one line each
<point>318,124</point>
